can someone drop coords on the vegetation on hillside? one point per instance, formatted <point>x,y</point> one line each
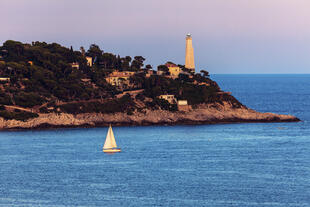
<point>42,78</point>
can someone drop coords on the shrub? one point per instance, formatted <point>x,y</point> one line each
<point>151,104</point>
<point>162,103</point>
<point>130,113</point>
<point>165,105</point>
<point>123,104</point>
<point>2,108</point>
<point>28,99</point>
<point>22,115</point>
<point>5,99</point>
<point>43,110</point>
<point>140,97</point>
<point>71,108</point>
<point>51,103</point>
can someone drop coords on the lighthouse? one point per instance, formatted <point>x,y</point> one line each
<point>189,53</point>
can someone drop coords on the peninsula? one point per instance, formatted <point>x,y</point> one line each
<point>48,85</point>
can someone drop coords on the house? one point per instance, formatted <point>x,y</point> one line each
<point>119,78</point>
<point>89,61</point>
<point>170,98</point>
<point>122,73</point>
<point>75,65</point>
<point>5,79</point>
<point>183,105</point>
<point>182,102</point>
<point>174,70</point>
<point>1,59</point>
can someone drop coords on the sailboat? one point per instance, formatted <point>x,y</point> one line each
<point>110,144</point>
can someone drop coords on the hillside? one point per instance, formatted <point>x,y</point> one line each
<point>41,78</point>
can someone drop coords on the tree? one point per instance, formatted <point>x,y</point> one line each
<point>82,50</point>
<point>184,77</point>
<point>163,68</point>
<point>109,61</point>
<point>138,80</point>
<point>118,63</point>
<point>170,62</point>
<point>71,56</point>
<point>124,64</point>
<point>128,58</point>
<point>205,73</point>
<point>137,63</point>
<point>15,51</point>
<point>149,67</point>
<point>95,52</point>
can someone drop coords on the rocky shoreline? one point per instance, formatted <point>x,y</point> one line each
<point>203,114</point>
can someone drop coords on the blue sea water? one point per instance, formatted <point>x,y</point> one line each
<point>248,165</point>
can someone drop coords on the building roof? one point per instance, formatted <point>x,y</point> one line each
<point>121,74</point>
<point>171,65</point>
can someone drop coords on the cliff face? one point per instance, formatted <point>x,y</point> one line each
<point>203,114</point>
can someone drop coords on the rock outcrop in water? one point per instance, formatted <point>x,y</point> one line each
<point>203,114</point>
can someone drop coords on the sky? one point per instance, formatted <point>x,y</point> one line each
<point>229,36</point>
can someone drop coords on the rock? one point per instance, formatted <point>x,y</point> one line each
<point>204,114</point>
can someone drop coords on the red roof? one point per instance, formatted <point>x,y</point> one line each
<point>170,65</point>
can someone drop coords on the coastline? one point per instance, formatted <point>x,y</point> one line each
<point>204,114</point>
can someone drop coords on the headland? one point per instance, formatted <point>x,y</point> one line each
<point>47,85</point>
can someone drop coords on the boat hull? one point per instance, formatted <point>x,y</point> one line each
<point>111,150</point>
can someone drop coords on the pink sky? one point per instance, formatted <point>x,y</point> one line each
<point>229,36</point>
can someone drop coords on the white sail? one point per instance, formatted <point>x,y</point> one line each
<point>113,142</point>
<point>110,140</point>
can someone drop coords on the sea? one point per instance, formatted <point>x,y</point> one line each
<point>246,165</point>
